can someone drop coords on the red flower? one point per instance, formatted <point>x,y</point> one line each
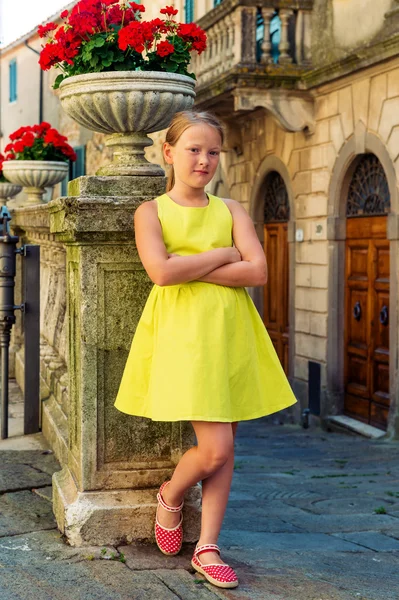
<point>165,48</point>
<point>190,32</point>
<point>19,146</point>
<point>84,23</point>
<point>169,10</point>
<point>43,30</point>
<point>136,35</point>
<point>137,7</point>
<point>9,147</point>
<point>51,55</point>
<point>115,15</point>
<point>28,139</point>
<point>64,14</point>
<point>18,133</point>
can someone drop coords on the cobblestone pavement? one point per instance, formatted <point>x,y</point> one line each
<point>312,516</point>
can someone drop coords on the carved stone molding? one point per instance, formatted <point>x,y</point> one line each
<point>294,112</point>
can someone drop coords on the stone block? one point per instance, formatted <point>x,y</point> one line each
<point>293,163</point>
<point>360,94</point>
<point>345,107</point>
<point>318,324</point>
<point>320,181</point>
<point>311,205</point>
<point>378,94</point>
<point>302,183</point>
<point>311,299</point>
<point>319,276</point>
<point>301,369</point>
<point>322,132</point>
<point>302,321</point>
<point>326,106</point>
<point>389,118</point>
<point>311,346</point>
<point>393,143</point>
<point>302,275</point>
<point>287,148</point>
<point>113,517</point>
<point>270,135</point>
<point>393,83</point>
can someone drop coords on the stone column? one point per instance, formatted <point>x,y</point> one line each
<point>106,493</point>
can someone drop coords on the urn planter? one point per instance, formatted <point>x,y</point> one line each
<point>8,191</point>
<point>126,106</point>
<point>34,176</point>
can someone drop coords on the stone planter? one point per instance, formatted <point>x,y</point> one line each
<point>9,190</point>
<point>34,176</point>
<point>126,105</point>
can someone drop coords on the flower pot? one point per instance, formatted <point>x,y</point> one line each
<point>35,176</point>
<point>9,190</point>
<point>126,105</point>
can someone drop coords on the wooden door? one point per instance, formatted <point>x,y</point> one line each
<point>276,290</point>
<point>367,321</point>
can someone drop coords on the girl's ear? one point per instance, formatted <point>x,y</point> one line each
<point>167,153</point>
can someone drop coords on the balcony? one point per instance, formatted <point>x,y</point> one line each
<point>257,53</point>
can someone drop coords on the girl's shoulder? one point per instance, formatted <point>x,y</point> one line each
<point>232,205</point>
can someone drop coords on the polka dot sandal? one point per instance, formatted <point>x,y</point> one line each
<point>222,576</point>
<point>169,541</point>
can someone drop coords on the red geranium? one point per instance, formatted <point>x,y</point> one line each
<point>165,48</point>
<point>169,10</point>
<point>2,160</point>
<point>108,35</point>
<point>39,142</point>
<point>43,30</point>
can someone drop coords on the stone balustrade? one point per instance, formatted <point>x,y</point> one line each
<point>254,34</point>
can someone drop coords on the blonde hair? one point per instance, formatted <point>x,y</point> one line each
<point>182,121</point>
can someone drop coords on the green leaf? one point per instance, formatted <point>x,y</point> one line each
<point>99,41</point>
<point>58,80</point>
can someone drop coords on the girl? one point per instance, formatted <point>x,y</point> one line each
<point>200,351</point>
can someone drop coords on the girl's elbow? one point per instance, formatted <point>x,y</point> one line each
<point>262,277</point>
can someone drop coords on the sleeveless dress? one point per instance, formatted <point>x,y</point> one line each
<point>201,351</point>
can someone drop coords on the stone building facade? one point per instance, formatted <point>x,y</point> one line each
<point>310,106</point>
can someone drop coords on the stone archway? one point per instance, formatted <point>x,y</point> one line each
<point>361,143</point>
<point>257,210</point>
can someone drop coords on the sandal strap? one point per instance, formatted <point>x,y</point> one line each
<point>207,548</point>
<point>171,509</point>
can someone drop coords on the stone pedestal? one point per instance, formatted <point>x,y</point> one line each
<point>106,493</point>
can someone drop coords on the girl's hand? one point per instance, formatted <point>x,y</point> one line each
<point>172,255</point>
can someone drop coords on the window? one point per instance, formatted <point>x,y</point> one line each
<point>189,10</point>
<point>13,80</point>
<point>76,169</point>
<point>216,2</point>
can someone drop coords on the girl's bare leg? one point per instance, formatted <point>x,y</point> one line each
<point>212,462</point>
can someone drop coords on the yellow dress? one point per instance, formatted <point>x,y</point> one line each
<point>201,351</point>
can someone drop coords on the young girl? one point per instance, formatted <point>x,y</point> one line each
<point>200,352</point>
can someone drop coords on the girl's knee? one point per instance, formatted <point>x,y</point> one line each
<point>215,458</point>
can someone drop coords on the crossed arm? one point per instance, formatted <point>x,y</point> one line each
<point>239,266</point>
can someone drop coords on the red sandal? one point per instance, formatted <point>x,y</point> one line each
<point>169,541</point>
<point>221,576</point>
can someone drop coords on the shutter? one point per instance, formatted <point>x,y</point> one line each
<point>13,80</point>
<point>76,169</point>
<point>189,10</point>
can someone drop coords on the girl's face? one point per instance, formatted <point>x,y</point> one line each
<point>195,156</point>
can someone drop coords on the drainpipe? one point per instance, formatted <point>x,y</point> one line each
<point>40,84</point>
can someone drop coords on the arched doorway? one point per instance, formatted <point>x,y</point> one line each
<point>275,300</point>
<point>367,272</point>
